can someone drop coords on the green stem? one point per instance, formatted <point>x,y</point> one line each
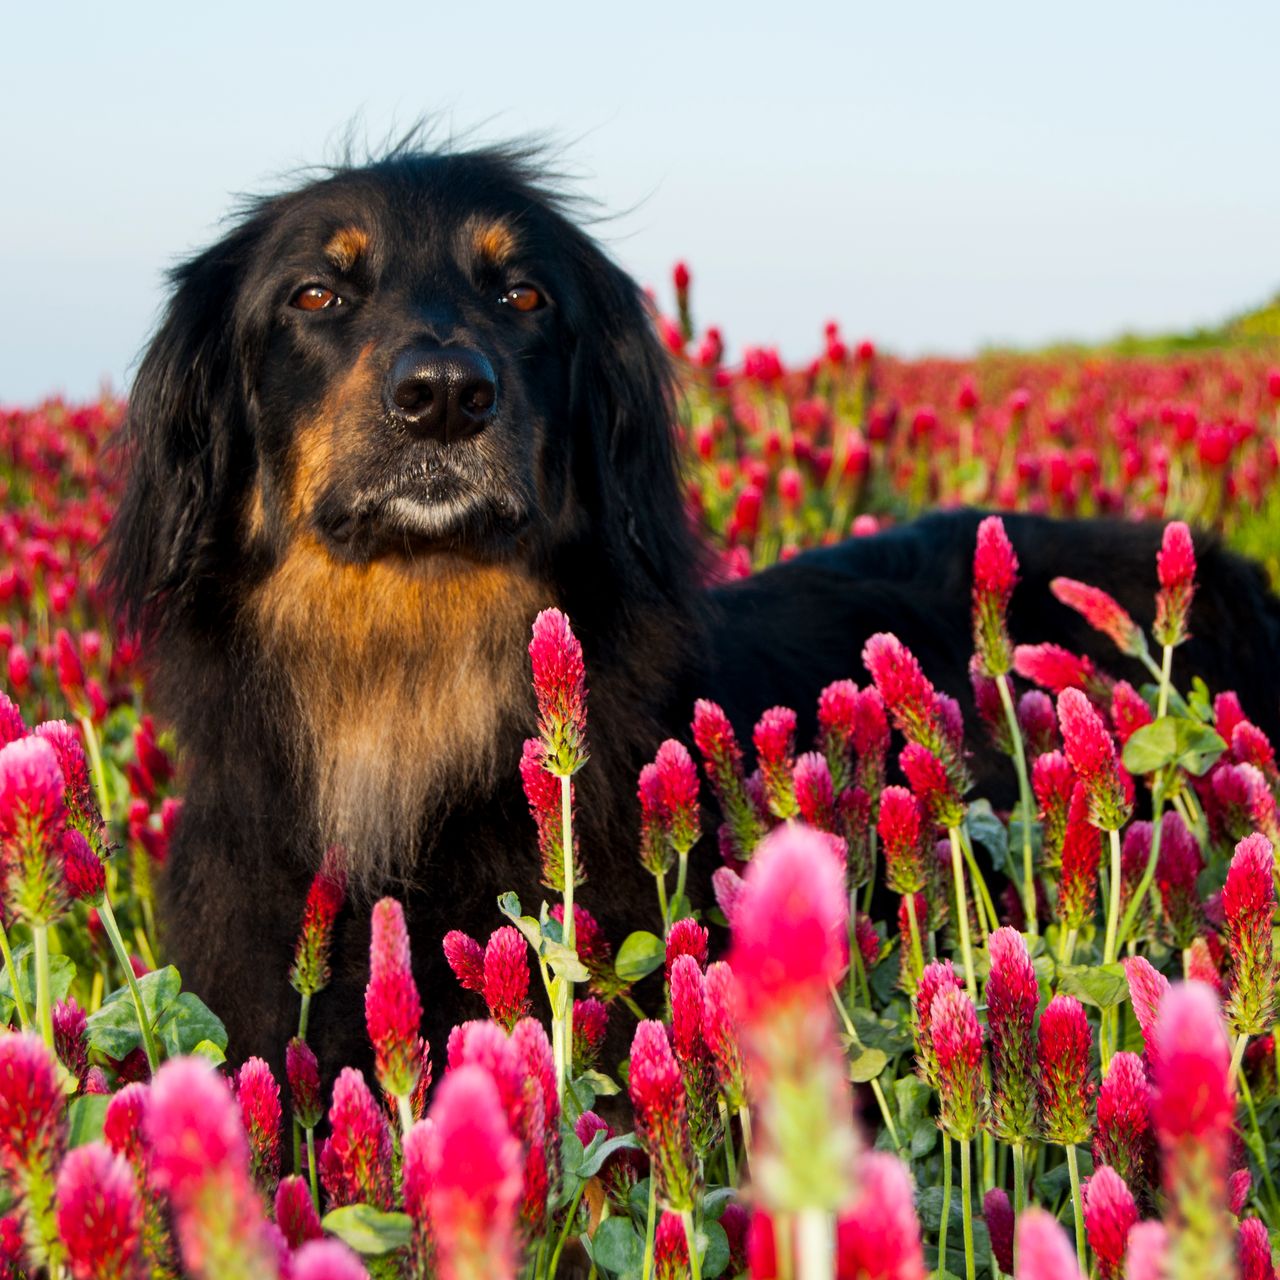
<point>1166,668</point>
<point>966,1208</point>
<point>20,1003</point>
<point>946,1203</point>
<point>744,1119</point>
<point>570,871</point>
<point>983,896</point>
<point>1263,1162</point>
<point>691,1239</point>
<point>1237,1055</point>
<point>962,914</point>
<point>297,1147</point>
<point>661,881</point>
<point>406,1114</point>
<point>917,954</point>
<point>1113,900</point>
<point>304,1016</point>
<point>568,1223</point>
<point>726,1122</point>
<point>44,1005</point>
<point>1019,1192</point>
<point>649,1228</point>
<point>1024,796</point>
<point>682,872</point>
<point>95,765</point>
<point>815,1245</point>
<point>1077,1204</point>
<point>883,1103</point>
<point>108,918</point>
<point>313,1174</point>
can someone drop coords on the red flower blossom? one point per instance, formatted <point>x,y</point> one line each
<point>774,739</point>
<point>721,1032</point>
<point>997,1213</point>
<point>1044,1252</point>
<point>1248,903</point>
<point>506,976</point>
<point>1064,1085</point>
<point>1147,988</point>
<point>31,1103</point>
<point>938,976</point>
<point>355,1163</point>
<point>1038,722</point>
<point>1144,1257</point>
<point>559,683</point>
<point>590,1026</point>
<point>722,761</point>
<point>670,1249</point>
<point>957,1042</point>
<point>837,707</point>
<point>899,828</point>
<point>1123,1138</point>
<point>12,725</point>
<point>662,1121</point>
<point>310,972</point>
<point>32,818</point>
<point>327,1260</point>
<point>814,791</point>
<point>995,574</point>
<point>1052,781</point>
<point>1092,754</point>
<point>82,870</point>
<point>1227,713</point>
<point>1012,995</point>
<point>71,1036</point>
<point>669,789</point>
<point>1253,1251</point>
<point>542,790</point>
<point>908,695</point>
<point>1109,1212</point>
<point>466,957</point>
<point>879,1237</point>
<point>303,1073</point>
<point>1129,710</point>
<point>1081,853</point>
<point>393,1010</point>
<point>686,938</point>
<point>296,1214</point>
<point>1054,668</point>
<point>1176,568</point>
<point>934,787</point>
<point>100,1215</point>
<point>259,1099</point>
<point>1103,613</point>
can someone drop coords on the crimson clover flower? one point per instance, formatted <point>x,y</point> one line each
<point>908,695</point>
<point>1253,1251</point>
<point>669,789</point>
<point>355,1162</point>
<point>1178,869</point>
<point>1044,1252</point>
<point>1103,613</point>
<point>303,1073</point>
<point>1038,722</point>
<point>71,1036</point>
<point>686,938</point>
<point>837,708</point>
<point>1129,710</point>
<point>774,739</point>
<point>1176,569</point>
<point>722,762</point>
<point>899,828</point>
<point>938,976</point>
<point>259,1098</point>
<point>310,973</point>
<point>1109,1212</point>
<point>465,957</point>
<point>296,1214</point>
<point>662,1119</point>
<point>393,1009</point>
<point>1248,904</point>
<point>1012,995</point>
<point>32,821</point>
<point>1054,668</point>
<point>1147,988</point>
<point>933,784</point>
<point>997,1213</point>
<point>472,1170</point>
<point>326,1260</point>
<point>1144,1257</point>
<point>721,1032</point>
<point>1123,1138</point>
<point>506,976</point>
<point>670,1249</point>
<point>814,790</point>
<point>1081,854</point>
<point>1092,754</point>
<point>870,731</point>
<point>879,1235</point>
<point>100,1215</point>
<point>542,790</point>
<point>995,574</point>
<point>559,684</point>
<point>1052,782</point>
<point>957,1042</point>
<point>1064,1085</point>
<point>590,1027</point>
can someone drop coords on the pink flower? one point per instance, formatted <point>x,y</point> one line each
<point>542,790</point>
<point>296,1214</point>
<point>995,574</point>
<point>32,818</point>
<point>1123,1137</point>
<point>124,1128</point>
<point>1176,874</point>
<point>506,976</point>
<point>815,794</point>
<point>416,1183</point>
<point>1227,713</point>
<point>774,739</point>
<point>259,1099</point>
<point>303,1072</point>
<point>938,976</point>
<point>31,1104</point>
<point>1044,1253</point>
<point>908,695</point>
<point>957,1042</point>
<point>934,787</point>
<point>879,1237</point>
<point>1038,722</point>
<point>1092,754</point>
<point>1103,613</point>
<point>393,1010</point>
<point>200,1159</point>
<point>1248,903</point>
<point>672,794</point>
<point>1176,569</point>
<point>1012,995</point>
<point>837,706</point>
<point>870,730</point>
<point>1129,710</point>
<point>1054,668</point>
<point>466,956</point>
<point>473,1165</point>
<point>1253,1251</point>
<point>83,873</point>
<point>327,1260</point>
<point>559,683</point>
<point>789,940</point>
<point>899,829</point>
<point>1239,1185</point>
<point>686,1009</point>
<point>1144,1258</point>
<point>997,1213</point>
<point>662,1122</point>
<point>721,1032</point>
<point>328,892</point>
<point>71,1036</point>
<point>1081,853</point>
<point>1065,1089</point>
<point>1147,988</point>
<point>12,725</point>
<point>1052,781</point>
<point>100,1215</point>
<point>686,938</point>
<point>722,761</point>
<point>355,1163</point>
<point>590,1027</point>
<point>1109,1212</point>
<point>670,1249</point>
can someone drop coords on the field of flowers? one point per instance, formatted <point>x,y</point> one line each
<point>1056,1059</point>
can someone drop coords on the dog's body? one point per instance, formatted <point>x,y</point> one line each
<point>388,418</point>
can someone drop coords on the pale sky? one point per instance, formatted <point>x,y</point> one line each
<point>934,176</point>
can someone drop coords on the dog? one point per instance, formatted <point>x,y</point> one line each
<point>393,413</point>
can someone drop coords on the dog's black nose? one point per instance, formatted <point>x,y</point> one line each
<point>443,392</point>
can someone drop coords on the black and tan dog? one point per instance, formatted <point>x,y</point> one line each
<point>386,419</point>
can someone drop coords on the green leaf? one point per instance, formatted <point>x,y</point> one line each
<point>987,830</point>
<point>187,1022</point>
<point>509,905</point>
<point>713,1244</point>
<point>1187,743</point>
<point>564,963</point>
<point>867,1065</point>
<point>1104,986</point>
<point>84,1118</point>
<point>368,1230</point>
<point>639,956</point>
<point>716,1201</point>
<point>592,1163</point>
<point>62,972</point>
<point>915,1124</point>
<point>601,1085</point>
<point>617,1247</point>
<point>210,1052</point>
<point>114,1028</point>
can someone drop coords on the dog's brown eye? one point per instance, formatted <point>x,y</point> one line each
<point>315,297</point>
<point>524,297</point>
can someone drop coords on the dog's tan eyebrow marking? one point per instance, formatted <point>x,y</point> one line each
<point>345,247</point>
<point>492,239</point>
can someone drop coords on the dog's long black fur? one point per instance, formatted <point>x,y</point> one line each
<point>338,669</point>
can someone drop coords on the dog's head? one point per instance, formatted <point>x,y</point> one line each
<point>417,360</point>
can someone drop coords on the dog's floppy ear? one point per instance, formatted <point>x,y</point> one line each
<point>184,430</point>
<point>626,461</point>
